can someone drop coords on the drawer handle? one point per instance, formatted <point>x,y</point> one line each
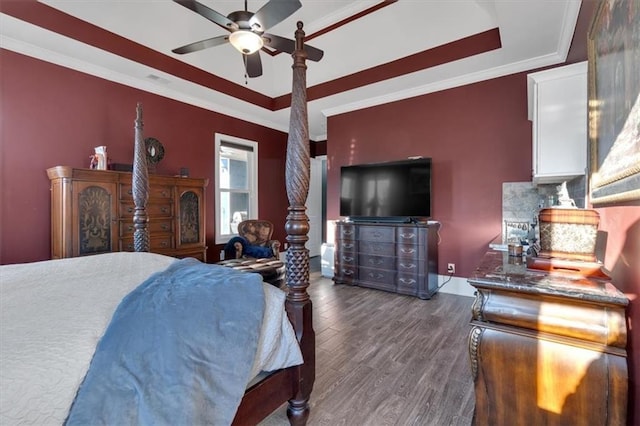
<point>164,210</point>
<point>409,266</point>
<point>408,251</point>
<point>164,194</point>
<point>165,227</point>
<point>377,276</point>
<point>408,236</point>
<point>347,272</point>
<point>376,234</point>
<point>164,244</point>
<point>130,247</point>
<point>348,246</point>
<point>375,261</point>
<point>407,282</point>
<point>130,228</point>
<point>345,232</point>
<point>130,209</point>
<point>347,258</point>
<point>130,191</point>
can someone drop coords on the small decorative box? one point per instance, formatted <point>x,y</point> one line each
<point>568,233</point>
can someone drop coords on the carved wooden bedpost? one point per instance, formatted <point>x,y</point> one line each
<point>140,186</point>
<point>297,227</point>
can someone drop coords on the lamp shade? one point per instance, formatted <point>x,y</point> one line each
<point>245,41</point>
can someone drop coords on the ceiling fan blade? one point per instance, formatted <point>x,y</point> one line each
<point>274,12</point>
<point>203,44</point>
<point>253,64</point>
<point>313,54</point>
<point>279,43</point>
<point>288,46</point>
<point>208,13</point>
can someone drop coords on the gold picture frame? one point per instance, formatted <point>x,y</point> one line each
<point>614,102</point>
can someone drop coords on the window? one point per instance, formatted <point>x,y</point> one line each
<point>236,184</point>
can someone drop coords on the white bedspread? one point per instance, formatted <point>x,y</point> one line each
<point>53,313</point>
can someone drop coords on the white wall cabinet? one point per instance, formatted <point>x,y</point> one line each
<point>558,109</point>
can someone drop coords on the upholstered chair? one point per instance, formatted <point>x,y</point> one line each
<point>257,234</point>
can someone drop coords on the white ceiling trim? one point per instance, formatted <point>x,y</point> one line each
<point>450,83</point>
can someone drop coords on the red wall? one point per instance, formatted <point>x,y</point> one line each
<point>622,258</point>
<point>478,137</point>
<point>55,116</point>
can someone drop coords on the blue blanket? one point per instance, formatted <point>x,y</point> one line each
<point>178,351</point>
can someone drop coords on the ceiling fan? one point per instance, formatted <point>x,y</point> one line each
<point>248,31</point>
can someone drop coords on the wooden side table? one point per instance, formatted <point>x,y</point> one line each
<point>546,349</point>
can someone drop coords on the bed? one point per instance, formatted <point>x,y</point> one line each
<point>63,320</point>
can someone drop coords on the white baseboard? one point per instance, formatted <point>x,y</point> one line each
<point>457,285</point>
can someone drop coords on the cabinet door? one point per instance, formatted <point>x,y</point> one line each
<point>94,218</point>
<point>560,128</point>
<point>190,217</point>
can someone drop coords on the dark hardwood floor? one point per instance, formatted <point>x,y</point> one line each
<point>388,359</point>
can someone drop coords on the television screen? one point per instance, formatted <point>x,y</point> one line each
<point>399,190</point>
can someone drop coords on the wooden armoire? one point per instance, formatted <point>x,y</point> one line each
<point>92,213</point>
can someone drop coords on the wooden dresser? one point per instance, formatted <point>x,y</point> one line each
<point>401,258</point>
<point>546,349</point>
<point>92,213</point>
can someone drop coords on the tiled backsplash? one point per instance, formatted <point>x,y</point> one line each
<point>521,202</point>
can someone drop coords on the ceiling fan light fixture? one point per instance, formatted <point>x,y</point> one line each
<point>247,42</point>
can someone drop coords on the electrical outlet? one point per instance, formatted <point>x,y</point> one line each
<point>451,268</point>
<point>221,254</point>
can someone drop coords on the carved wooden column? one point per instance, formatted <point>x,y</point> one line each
<point>297,228</point>
<point>140,186</point>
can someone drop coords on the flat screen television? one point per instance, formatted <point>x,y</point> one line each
<point>398,191</point>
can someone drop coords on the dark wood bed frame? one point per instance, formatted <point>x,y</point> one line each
<point>293,384</point>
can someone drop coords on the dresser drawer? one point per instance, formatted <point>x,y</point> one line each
<point>381,276</point>
<point>379,262</point>
<point>156,243</point>
<point>407,235</point>
<point>372,247</point>
<point>155,227</point>
<point>346,258</point>
<point>153,209</point>
<point>346,246</point>
<point>376,233</point>
<point>155,191</point>
<point>346,232</point>
<point>408,266</point>
<point>407,283</point>
<point>410,251</point>
<point>345,273</point>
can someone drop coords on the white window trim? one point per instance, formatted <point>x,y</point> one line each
<point>253,181</point>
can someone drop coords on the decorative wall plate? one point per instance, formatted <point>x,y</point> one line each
<point>155,150</point>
